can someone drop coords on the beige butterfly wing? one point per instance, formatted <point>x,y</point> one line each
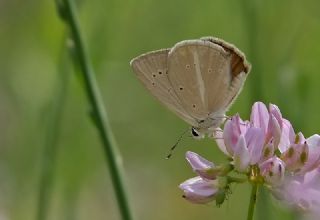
<point>207,75</point>
<point>199,71</point>
<point>239,71</point>
<point>151,69</point>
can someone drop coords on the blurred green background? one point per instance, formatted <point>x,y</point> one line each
<point>280,38</point>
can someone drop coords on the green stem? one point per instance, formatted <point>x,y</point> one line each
<point>112,156</point>
<point>232,179</point>
<point>253,201</point>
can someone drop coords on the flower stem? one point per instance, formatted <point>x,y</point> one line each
<point>112,156</point>
<point>253,200</point>
<point>232,179</point>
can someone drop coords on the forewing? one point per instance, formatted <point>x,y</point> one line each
<point>151,69</point>
<point>199,72</point>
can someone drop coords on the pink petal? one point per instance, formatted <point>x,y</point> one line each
<point>244,125</point>
<point>241,155</point>
<point>273,171</point>
<point>302,192</point>
<point>296,156</point>
<point>198,190</point>
<point>312,179</point>
<point>259,116</point>
<point>314,141</point>
<point>254,140</point>
<point>275,111</point>
<point>287,136</point>
<point>313,161</point>
<point>220,142</point>
<point>200,165</point>
<point>197,162</point>
<point>231,133</point>
<point>274,131</point>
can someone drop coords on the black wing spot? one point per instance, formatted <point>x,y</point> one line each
<point>153,83</point>
<point>187,66</point>
<point>154,75</point>
<point>209,70</point>
<point>160,72</point>
<point>193,105</point>
<point>181,88</point>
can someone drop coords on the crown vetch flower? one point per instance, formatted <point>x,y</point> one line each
<point>267,151</point>
<point>201,166</point>
<point>248,149</point>
<point>313,160</point>
<point>295,156</point>
<point>301,191</point>
<point>250,143</point>
<point>273,171</point>
<point>205,168</point>
<point>301,155</point>
<point>199,190</point>
<point>269,121</point>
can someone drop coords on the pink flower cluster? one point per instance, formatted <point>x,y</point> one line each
<point>269,152</point>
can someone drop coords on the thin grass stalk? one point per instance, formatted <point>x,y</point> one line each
<point>112,155</point>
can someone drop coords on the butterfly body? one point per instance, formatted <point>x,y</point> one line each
<point>196,79</point>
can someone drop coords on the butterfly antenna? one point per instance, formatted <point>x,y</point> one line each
<point>176,144</point>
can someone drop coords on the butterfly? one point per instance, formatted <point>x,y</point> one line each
<point>196,79</point>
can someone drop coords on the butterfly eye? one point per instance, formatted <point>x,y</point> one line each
<point>194,132</point>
